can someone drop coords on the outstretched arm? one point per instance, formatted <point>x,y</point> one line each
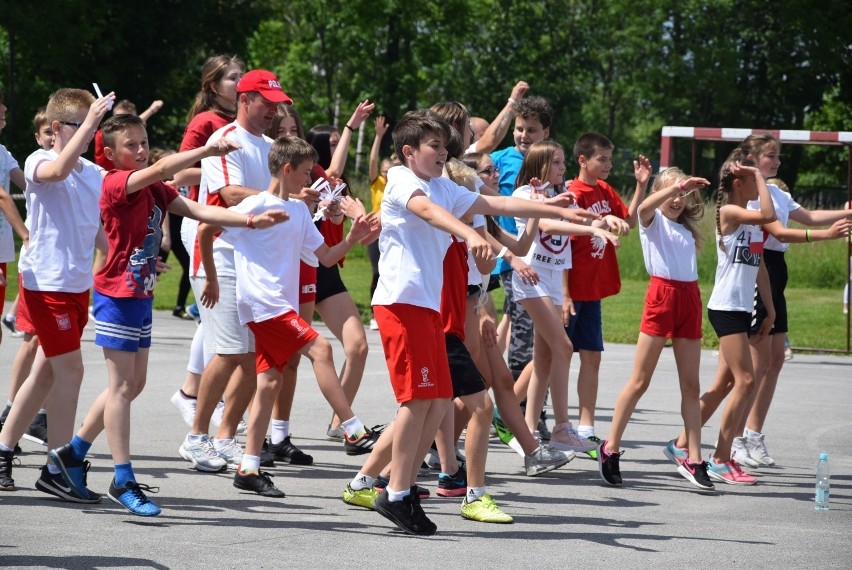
<point>381,129</point>
<point>338,161</point>
<point>642,172</point>
<point>498,128</point>
<point>168,166</point>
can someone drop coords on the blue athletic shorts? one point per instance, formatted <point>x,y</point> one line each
<point>122,323</point>
<point>585,329</point>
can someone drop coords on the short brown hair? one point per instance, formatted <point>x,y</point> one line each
<point>64,103</point>
<point>588,143</point>
<point>40,119</point>
<point>290,150</point>
<point>118,124</point>
<point>535,108</point>
<point>416,126</point>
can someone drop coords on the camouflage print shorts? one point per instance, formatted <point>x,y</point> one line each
<point>521,340</point>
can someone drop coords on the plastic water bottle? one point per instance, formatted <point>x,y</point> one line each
<point>823,476</point>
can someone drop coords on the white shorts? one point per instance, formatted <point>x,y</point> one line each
<point>223,333</point>
<point>549,285</point>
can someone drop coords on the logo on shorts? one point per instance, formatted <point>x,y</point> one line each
<point>425,382</point>
<point>63,321</point>
<point>300,330</point>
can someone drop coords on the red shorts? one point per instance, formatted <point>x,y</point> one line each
<point>415,350</point>
<point>58,319</point>
<point>279,338</point>
<point>672,309</point>
<point>307,283</point>
<point>22,316</point>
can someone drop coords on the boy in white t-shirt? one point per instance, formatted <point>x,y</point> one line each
<point>63,218</point>
<point>267,269</point>
<point>419,209</point>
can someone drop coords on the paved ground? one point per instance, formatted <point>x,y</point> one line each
<point>568,518</point>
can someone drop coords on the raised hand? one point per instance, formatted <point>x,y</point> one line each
<point>642,170</point>
<point>362,111</point>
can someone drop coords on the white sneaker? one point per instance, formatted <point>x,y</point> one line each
<point>232,453</point>
<point>202,455</point>
<point>374,326</point>
<point>546,459</point>
<point>757,450</point>
<point>216,419</point>
<point>186,407</point>
<point>739,453</point>
<point>565,438</point>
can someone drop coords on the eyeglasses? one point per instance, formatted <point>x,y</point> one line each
<point>70,124</point>
<point>489,171</point>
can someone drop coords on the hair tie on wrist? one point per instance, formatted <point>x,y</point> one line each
<point>681,184</point>
<point>502,252</point>
<point>512,101</point>
<point>348,127</point>
<point>250,221</point>
<point>808,236</point>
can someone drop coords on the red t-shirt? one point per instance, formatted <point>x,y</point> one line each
<point>454,291</point>
<point>332,233</point>
<point>197,134</point>
<point>594,272</point>
<point>100,158</point>
<point>134,227</point>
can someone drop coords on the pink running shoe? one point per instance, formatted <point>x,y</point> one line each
<point>730,473</point>
<point>566,438</point>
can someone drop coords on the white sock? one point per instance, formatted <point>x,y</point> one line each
<point>219,444</point>
<point>474,493</point>
<point>250,463</point>
<point>514,444</point>
<point>585,431</point>
<point>42,411</point>
<point>353,427</point>
<point>280,431</point>
<point>194,437</point>
<point>361,481</point>
<point>751,434</point>
<point>4,448</point>
<point>395,497</point>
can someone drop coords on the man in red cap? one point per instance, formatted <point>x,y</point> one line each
<point>225,182</point>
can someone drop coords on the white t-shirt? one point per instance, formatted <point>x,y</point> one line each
<point>669,249</point>
<point>7,239</point>
<point>267,261</point>
<point>736,272</point>
<point>63,218</point>
<point>411,262</point>
<point>548,251</point>
<point>784,204</point>
<point>247,167</point>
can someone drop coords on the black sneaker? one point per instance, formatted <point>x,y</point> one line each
<point>6,481</point>
<point>452,486</point>
<point>382,482</point>
<point>266,458</point>
<point>10,324</point>
<point>260,483</point>
<point>55,485</point>
<point>407,514</point>
<point>2,421</point>
<point>363,444</point>
<point>543,431</point>
<point>696,473</point>
<point>182,314</point>
<point>37,432</point>
<point>608,465</point>
<point>289,453</point>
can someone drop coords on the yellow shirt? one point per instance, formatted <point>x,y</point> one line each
<point>377,190</point>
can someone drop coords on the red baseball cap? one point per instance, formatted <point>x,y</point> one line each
<point>264,82</point>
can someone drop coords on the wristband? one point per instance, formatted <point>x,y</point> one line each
<point>681,184</point>
<point>512,101</point>
<point>808,236</point>
<point>348,127</point>
<point>502,252</point>
<point>250,221</point>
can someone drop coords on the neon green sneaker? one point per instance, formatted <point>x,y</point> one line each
<point>361,498</point>
<point>484,509</point>
<point>593,454</point>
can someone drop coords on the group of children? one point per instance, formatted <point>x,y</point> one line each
<point>254,257</point>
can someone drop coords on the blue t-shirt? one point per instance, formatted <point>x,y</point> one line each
<point>509,161</point>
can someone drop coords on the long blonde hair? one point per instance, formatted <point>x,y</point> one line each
<point>693,209</point>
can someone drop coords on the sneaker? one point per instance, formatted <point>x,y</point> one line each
<point>73,470</point>
<point>37,432</point>
<point>788,353</point>
<point>335,434</point>
<point>260,483</point>
<point>381,483</point>
<point>6,481</point>
<point>545,459</point>
<point>593,454</point>
<point>503,432</point>
<point>361,498</point>
<point>740,454</point>
<point>452,486</point>
<point>132,498</point>
<point>484,509</point>
<point>266,458</point>
<point>676,454</point>
<point>730,473</point>
<point>9,322</point>
<point>696,473</point>
<point>55,485</point>
<point>232,453</point>
<point>374,326</point>
<point>202,455</point>
<point>362,444</point>
<point>186,407</point>
<point>181,313</point>
<point>289,453</point>
<point>543,432</point>
<point>216,419</point>
<point>407,514</point>
<point>757,450</point>
<point>608,465</point>
<point>566,438</point>
<point>193,312</point>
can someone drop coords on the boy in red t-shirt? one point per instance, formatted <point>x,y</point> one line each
<point>133,204</point>
<point>594,274</point>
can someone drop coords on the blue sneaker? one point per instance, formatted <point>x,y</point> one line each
<point>193,312</point>
<point>675,454</point>
<point>73,471</point>
<point>133,499</point>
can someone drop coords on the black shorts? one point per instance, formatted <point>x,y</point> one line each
<point>329,282</point>
<point>776,266</point>
<point>473,290</point>
<point>729,322</point>
<point>493,283</point>
<point>465,375</point>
